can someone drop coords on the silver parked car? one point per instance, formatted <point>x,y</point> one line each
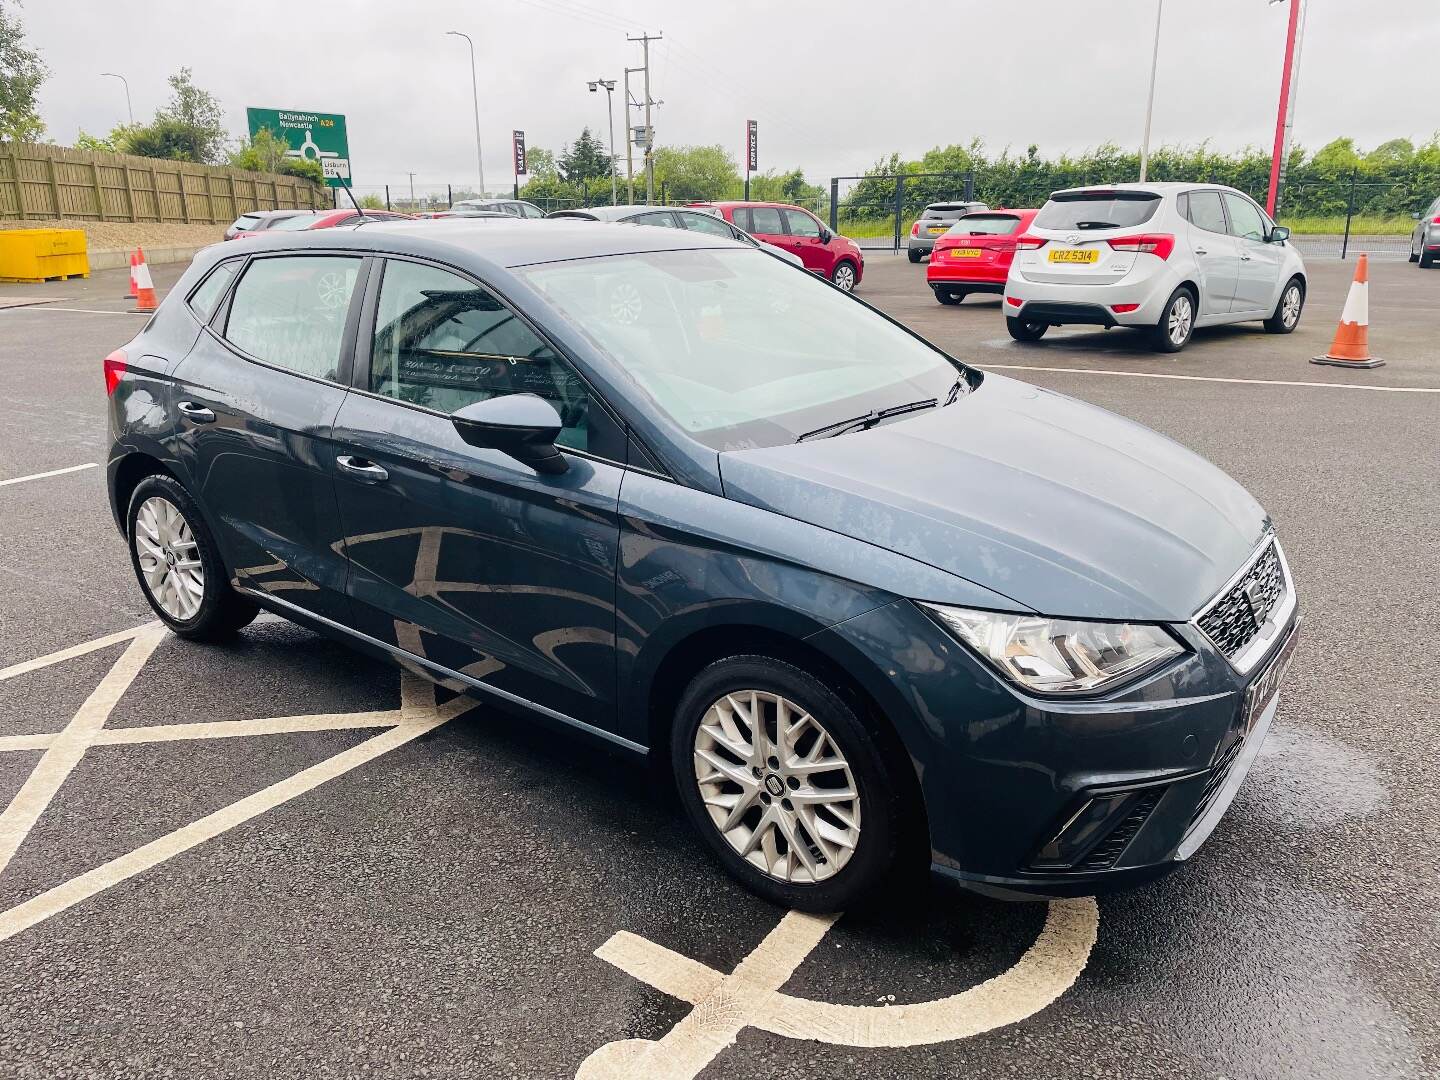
<point>935,220</point>
<point>677,217</point>
<point>1425,239</point>
<point>1166,258</point>
<point>514,207</point>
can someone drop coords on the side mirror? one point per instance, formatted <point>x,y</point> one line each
<point>1279,234</point>
<point>523,426</point>
<point>826,235</point>
<point>1416,215</point>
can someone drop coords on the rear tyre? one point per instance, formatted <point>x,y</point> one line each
<point>1426,260</point>
<point>785,783</point>
<point>843,275</point>
<point>178,564</point>
<point>950,296</point>
<point>1287,310</point>
<point>914,255</point>
<point>1021,330</point>
<point>1414,255</point>
<point>1177,322</point>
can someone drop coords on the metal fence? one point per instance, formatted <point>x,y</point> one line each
<point>42,182</point>
<point>1331,218</point>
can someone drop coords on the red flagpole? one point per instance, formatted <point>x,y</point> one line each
<point>1284,106</point>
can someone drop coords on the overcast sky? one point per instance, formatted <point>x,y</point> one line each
<point>834,85</point>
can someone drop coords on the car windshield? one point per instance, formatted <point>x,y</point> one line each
<point>246,221</point>
<point>296,223</point>
<point>933,213</point>
<point>737,348</point>
<point>985,225</point>
<point>1097,210</point>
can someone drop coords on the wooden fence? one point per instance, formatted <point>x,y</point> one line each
<point>39,181</point>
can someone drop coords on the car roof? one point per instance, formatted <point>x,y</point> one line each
<point>952,204</point>
<point>1159,187</point>
<point>487,245</point>
<point>295,212</point>
<point>736,204</point>
<point>615,213</point>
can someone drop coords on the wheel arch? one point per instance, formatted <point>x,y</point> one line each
<point>126,473</point>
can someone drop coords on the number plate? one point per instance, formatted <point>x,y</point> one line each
<point>1074,255</point>
<point>1263,690</point>
<point>936,230</point>
<point>965,253</point>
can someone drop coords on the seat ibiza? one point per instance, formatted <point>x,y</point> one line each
<point>657,489</point>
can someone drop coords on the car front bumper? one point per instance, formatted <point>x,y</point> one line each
<point>1148,771</point>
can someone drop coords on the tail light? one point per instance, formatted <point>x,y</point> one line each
<point>1014,301</point>
<point>114,368</point>
<point>1160,244</point>
<point>915,229</point>
<point>1123,309</point>
<point>1002,246</point>
<point>1435,221</point>
<point>1030,243</point>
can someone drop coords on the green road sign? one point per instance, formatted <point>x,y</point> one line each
<point>317,136</point>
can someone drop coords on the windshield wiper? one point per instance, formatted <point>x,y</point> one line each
<point>869,419</point>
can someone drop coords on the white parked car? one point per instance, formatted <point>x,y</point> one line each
<point>1163,257</point>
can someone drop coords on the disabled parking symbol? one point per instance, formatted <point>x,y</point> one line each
<point>750,997</point>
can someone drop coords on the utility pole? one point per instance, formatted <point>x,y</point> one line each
<point>412,190</point>
<point>1150,101</point>
<point>644,40</point>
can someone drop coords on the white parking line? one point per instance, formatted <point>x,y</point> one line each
<point>1212,378</point>
<point>52,472</point>
<point>81,310</point>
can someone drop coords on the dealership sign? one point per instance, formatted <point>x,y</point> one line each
<point>311,135</point>
<point>517,139</point>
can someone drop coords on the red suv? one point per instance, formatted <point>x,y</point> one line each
<point>801,233</point>
<point>319,219</point>
<point>974,254</point>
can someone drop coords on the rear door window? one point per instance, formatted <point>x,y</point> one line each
<point>443,342</point>
<point>661,219</point>
<point>765,220</point>
<point>290,311</point>
<point>207,295</point>
<point>1246,220</point>
<point>1088,210</point>
<point>1206,212</point>
<point>246,221</point>
<point>704,223</point>
<point>801,224</point>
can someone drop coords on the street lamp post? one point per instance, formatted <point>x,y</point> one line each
<point>1150,101</point>
<point>475,94</point>
<point>609,85</point>
<point>128,110</point>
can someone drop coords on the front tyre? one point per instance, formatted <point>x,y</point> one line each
<point>178,564</point>
<point>844,276</point>
<point>785,783</point>
<point>1022,330</point>
<point>1287,311</point>
<point>1177,322</point>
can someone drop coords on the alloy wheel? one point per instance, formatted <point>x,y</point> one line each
<point>776,786</point>
<point>1182,316</point>
<point>1290,306</point>
<point>169,557</point>
<point>845,277</point>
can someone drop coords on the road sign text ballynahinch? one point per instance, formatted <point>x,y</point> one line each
<point>317,136</point>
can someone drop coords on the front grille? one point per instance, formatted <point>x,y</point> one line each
<point>1236,617</point>
<point>1218,772</point>
<point>1108,850</point>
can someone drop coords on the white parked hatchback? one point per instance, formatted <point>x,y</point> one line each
<point>1163,257</point>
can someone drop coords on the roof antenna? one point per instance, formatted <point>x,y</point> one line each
<point>358,208</point>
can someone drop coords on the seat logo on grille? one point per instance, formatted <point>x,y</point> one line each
<point>1255,597</point>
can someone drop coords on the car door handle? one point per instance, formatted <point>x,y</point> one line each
<point>1244,258</point>
<point>1202,251</point>
<point>367,472</point>
<point>196,414</point>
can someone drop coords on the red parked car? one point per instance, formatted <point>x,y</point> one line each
<point>974,255</point>
<point>799,232</point>
<point>319,219</point>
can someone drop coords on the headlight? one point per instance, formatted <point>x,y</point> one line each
<point>1059,656</point>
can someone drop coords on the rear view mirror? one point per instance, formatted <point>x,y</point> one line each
<point>1279,234</point>
<point>523,426</point>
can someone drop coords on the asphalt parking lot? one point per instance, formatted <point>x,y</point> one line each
<point>276,859</point>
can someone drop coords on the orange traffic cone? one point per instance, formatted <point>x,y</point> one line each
<point>134,258</point>
<point>1351,347</point>
<point>144,286</point>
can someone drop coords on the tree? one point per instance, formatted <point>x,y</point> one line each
<point>695,173</point>
<point>541,163</point>
<point>21,73</point>
<point>585,159</point>
<point>198,115</point>
<point>266,152</point>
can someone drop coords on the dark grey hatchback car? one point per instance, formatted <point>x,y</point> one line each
<point>863,600</point>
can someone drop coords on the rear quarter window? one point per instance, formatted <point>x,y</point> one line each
<point>207,294</point>
<point>1085,210</point>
